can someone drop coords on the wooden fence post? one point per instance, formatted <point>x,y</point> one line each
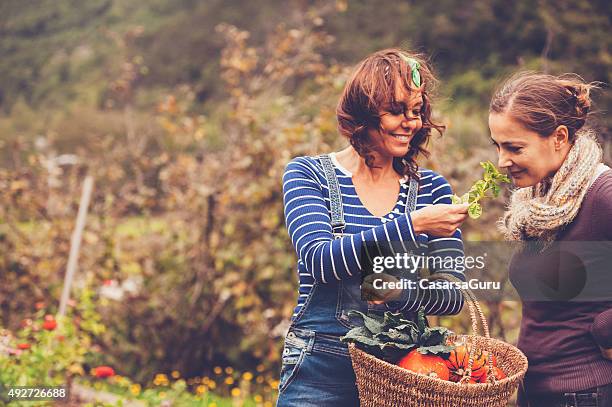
<point>75,243</point>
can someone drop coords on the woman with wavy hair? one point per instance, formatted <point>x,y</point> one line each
<point>340,205</point>
<point>564,196</point>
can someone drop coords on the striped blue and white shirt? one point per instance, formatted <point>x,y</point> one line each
<point>323,259</point>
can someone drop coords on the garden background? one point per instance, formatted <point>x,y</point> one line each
<point>185,114</point>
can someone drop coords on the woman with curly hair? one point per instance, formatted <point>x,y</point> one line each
<point>340,205</point>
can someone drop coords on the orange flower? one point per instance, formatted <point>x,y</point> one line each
<point>102,372</point>
<point>50,323</point>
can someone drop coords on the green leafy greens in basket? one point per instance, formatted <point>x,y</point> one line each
<point>389,336</point>
<point>490,181</point>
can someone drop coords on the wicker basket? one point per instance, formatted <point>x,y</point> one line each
<point>382,384</point>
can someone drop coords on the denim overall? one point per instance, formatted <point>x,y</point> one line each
<point>316,367</point>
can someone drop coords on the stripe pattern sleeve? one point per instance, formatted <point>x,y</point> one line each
<point>309,226</point>
<point>438,301</point>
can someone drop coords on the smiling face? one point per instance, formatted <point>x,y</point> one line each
<point>527,156</point>
<point>400,121</point>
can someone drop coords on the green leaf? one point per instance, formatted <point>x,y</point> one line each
<point>481,187</point>
<point>407,326</point>
<point>374,323</point>
<point>436,349</point>
<point>502,178</point>
<point>490,182</point>
<point>475,210</point>
<point>434,336</point>
<point>488,167</point>
<point>360,335</point>
<point>397,336</point>
<point>473,196</point>
<point>496,190</point>
<point>398,345</point>
<point>421,321</point>
<point>455,199</point>
<point>392,319</point>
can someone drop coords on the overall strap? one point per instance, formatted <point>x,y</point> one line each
<point>411,199</point>
<point>337,214</point>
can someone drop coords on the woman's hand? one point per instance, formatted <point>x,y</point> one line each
<point>380,296</point>
<point>439,220</point>
<point>606,353</point>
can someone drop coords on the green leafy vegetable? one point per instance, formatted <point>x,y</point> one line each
<point>389,336</point>
<point>490,182</point>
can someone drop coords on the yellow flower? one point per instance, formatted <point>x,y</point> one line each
<point>76,369</point>
<point>175,374</point>
<point>268,404</point>
<point>212,385</point>
<point>274,384</point>
<point>235,392</point>
<point>218,370</point>
<point>160,380</point>
<point>162,395</point>
<point>213,404</point>
<point>229,370</point>
<point>201,389</point>
<point>257,398</point>
<point>248,376</point>
<point>135,389</point>
<point>260,368</point>
<point>260,379</point>
<point>229,380</point>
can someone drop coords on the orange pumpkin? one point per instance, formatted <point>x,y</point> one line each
<point>497,372</point>
<point>458,360</point>
<point>428,365</point>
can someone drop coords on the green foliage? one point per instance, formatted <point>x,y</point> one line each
<point>49,355</point>
<point>388,336</point>
<point>490,182</point>
<point>56,48</point>
<point>183,392</point>
<point>175,226</point>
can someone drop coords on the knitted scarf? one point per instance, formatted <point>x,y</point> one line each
<point>541,211</point>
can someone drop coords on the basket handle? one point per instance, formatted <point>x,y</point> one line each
<point>476,315</point>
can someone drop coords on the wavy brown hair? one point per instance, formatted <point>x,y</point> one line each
<point>542,102</point>
<point>372,86</point>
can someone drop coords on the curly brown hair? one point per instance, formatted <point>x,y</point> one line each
<point>372,86</point>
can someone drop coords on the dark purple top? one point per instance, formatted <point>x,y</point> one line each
<point>561,339</point>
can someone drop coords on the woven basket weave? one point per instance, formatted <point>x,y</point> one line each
<point>382,384</point>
